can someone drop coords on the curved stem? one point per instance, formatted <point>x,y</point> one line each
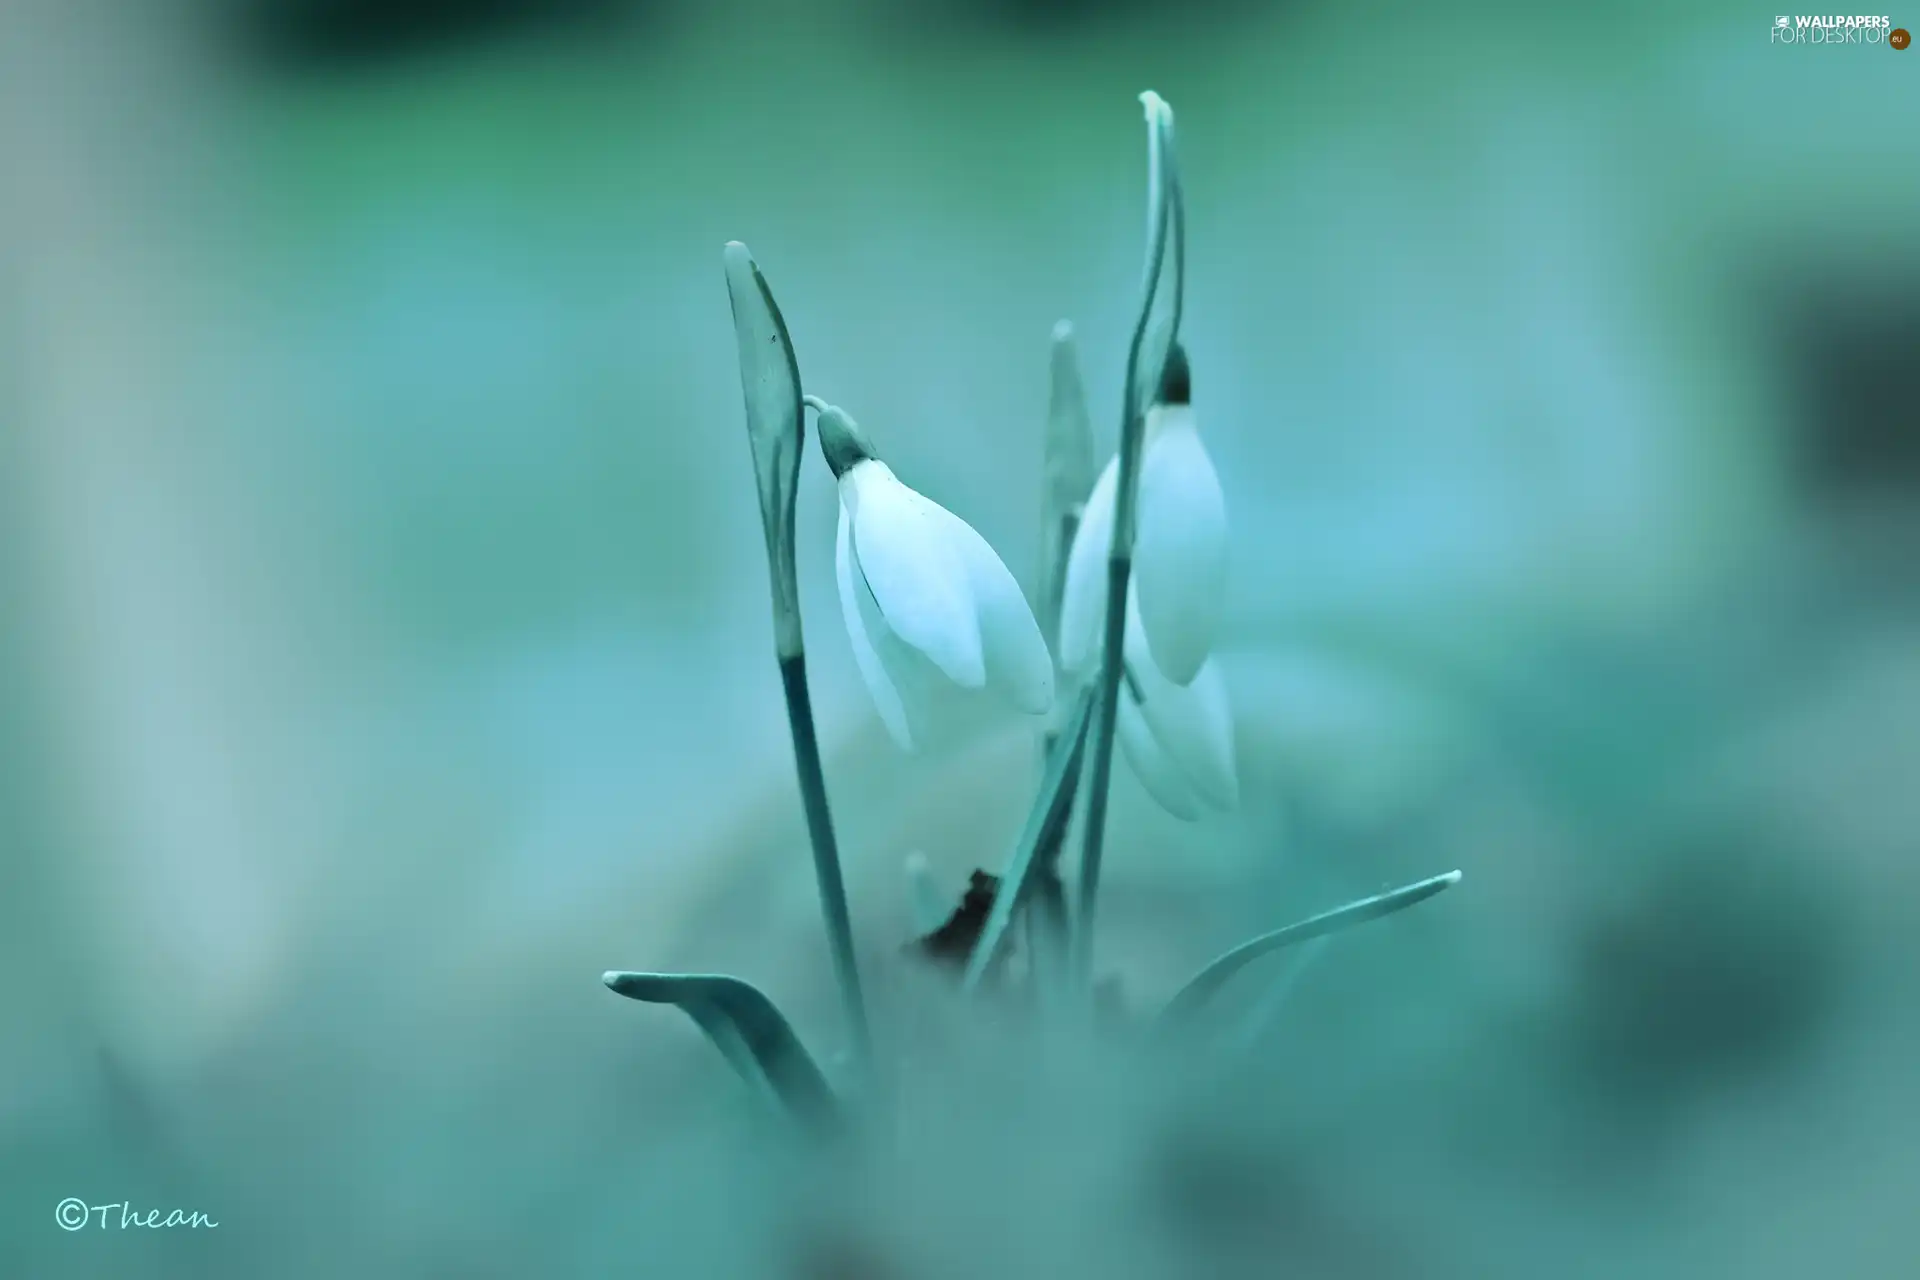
<point>815,403</point>
<point>1177,197</point>
<point>1120,552</point>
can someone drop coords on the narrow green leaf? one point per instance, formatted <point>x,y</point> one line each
<point>749,1031</point>
<point>776,427</point>
<point>1070,467</point>
<point>1205,984</point>
<point>1051,809</point>
<point>1265,1013</point>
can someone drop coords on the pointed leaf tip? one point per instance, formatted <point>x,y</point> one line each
<point>1203,986</point>
<point>770,388</point>
<point>749,1031</point>
<point>1068,455</point>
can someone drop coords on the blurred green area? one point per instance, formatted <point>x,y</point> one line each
<point>386,651</point>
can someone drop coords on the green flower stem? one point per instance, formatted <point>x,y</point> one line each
<point>826,858</point>
<point>1106,700</point>
<point>1120,556</point>
<point>1048,818</point>
<point>1049,924</point>
<point>1068,475</point>
<point>1177,202</point>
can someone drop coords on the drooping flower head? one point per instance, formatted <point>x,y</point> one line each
<point>931,610</point>
<point>1179,552</point>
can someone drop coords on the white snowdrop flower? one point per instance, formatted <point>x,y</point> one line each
<point>935,617</point>
<point>1178,739</point>
<point>1180,549</point>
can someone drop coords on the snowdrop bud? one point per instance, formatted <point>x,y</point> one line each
<point>770,382</point>
<point>929,607</point>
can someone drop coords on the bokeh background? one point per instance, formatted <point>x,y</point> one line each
<point>384,644</point>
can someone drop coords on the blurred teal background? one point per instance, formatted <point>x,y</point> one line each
<point>385,650</point>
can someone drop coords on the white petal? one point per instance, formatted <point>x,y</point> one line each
<point>937,712</point>
<point>1157,773</point>
<point>1180,557</point>
<point>856,602</point>
<point>1193,723</point>
<point>1083,603</point>
<point>1019,667</point>
<point>918,577</point>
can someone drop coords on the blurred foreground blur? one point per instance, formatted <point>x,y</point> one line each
<point>384,648</point>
